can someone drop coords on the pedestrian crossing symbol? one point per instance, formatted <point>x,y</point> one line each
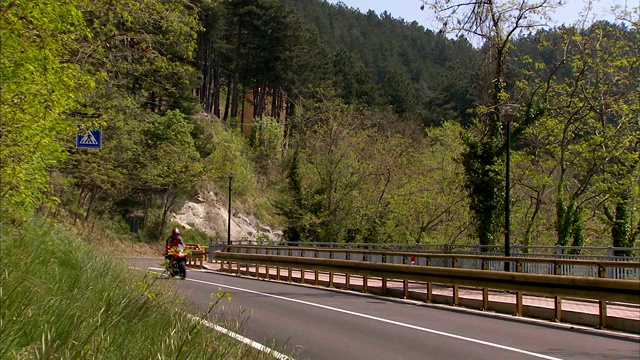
<point>91,139</point>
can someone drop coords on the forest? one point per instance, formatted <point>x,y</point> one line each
<point>338,126</point>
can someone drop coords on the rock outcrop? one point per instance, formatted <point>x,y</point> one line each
<point>210,215</point>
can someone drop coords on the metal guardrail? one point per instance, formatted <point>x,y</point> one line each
<point>601,268</point>
<point>557,251</point>
<point>197,256</point>
<point>601,289</point>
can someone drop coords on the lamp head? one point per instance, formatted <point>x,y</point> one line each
<point>508,109</point>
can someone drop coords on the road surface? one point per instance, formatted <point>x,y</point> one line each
<point>317,323</point>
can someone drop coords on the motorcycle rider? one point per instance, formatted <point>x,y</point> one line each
<point>174,240</point>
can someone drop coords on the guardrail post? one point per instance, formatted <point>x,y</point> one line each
<point>384,279</point>
<point>405,282</point>
<point>447,249</point>
<point>347,277</point>
<point>315,272</point>
<point>456,288</point>
<point>278,267</point>
<point>610,253</point>
<point>429,283</point>
<point>290,269</point>
<point>557,269</point>
<point>558,300</point>
<point>558,250</point>
<point>518,293</point>
<point>603,314</point>
<point>405,286</point>
<point>302,280</point>
<point>602,272</point>
<point>331,256</point>
<point>485,291</point>
<point>365,288</point>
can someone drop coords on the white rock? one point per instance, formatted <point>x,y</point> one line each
<point>209,215</point>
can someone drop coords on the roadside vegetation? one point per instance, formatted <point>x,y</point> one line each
<point>64,299</point>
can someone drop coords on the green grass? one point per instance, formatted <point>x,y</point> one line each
<point>62,299</point>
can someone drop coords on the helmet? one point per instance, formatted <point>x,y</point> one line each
<point>175,231</point>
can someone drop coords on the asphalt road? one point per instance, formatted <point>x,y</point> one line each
<point>316,323</point>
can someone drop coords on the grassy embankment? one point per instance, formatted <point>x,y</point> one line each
<point>64,299</point>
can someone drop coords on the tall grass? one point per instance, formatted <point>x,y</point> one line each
<point>61,298</point>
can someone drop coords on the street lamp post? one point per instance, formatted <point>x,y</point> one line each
<point>508,110</point>
<point>230,176</point>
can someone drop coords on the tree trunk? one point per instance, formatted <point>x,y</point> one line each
<point>236,74</point>
<point>217,81</point>
<point>92,198</point>
<point>228,100</point>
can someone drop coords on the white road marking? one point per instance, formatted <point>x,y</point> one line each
<point>253,344</point>
<point>541,356</point>
<point>236,336</point>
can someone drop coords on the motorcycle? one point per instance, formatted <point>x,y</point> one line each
<point>176,261</point>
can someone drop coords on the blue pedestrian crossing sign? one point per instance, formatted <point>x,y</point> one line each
<point>90,139</point>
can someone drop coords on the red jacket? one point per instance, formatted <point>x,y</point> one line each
<point>173,241</point>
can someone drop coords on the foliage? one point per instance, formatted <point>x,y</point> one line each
<point>142,47</point>
<point>495,23</point>
<point>356,180</point>
<point>246,47</point>
<point>589,138</point>
<point>39,90</point>
<point>196,236</point>
<point>379,45</point>
<point>232,155</point>
<point>266,138</point>
<point>352,161</point>
<point>399,92</point>
<point>83,303</point>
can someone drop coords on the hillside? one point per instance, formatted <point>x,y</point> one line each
<point>440,70</point>
<point>334,125</point>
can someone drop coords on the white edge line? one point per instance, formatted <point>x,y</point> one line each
<point>245,340</point>
<point>459,337</point>
<point>504,347</point>
<point>236,336</point>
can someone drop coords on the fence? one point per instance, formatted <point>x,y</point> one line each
<point>557,251</point>
<point>358,263</point>
<point>621,268</point>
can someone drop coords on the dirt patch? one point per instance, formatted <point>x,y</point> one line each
<point>135,249</point>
